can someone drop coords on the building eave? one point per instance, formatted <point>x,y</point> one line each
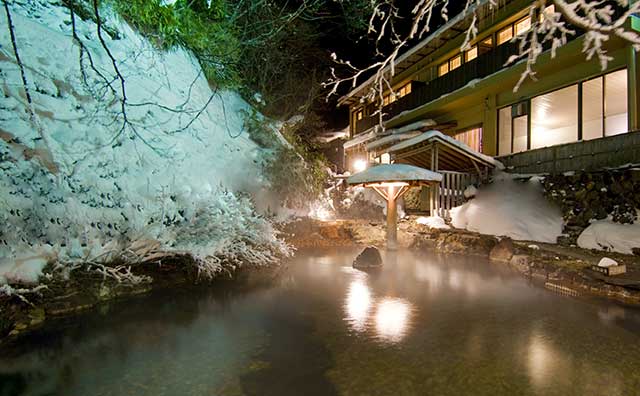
<point>351,97</point>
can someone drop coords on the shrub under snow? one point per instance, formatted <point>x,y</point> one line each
<point>508,207</point>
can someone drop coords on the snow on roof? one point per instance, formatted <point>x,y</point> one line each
<point>359,139</point>
<point>328,137</point>
<point>414,126</point>
<point>377,132</point>
<point>391,139</point>
<point>394,173</point>
<point>442,138</point>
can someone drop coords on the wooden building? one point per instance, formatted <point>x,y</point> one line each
<point>576,116</point>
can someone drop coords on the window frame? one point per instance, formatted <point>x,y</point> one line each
<point>519,21</point>
<point>580,136</point>
<point>510,28</point>
<point>473,48</point>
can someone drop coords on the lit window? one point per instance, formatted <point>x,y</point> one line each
<point>592,108</point>
<point>488,41</point>
<point>472,138</point>
<point>504,131</point>
<point>523,25</point>
<point>554,117</point>
<point>359,115</point>
<point>385,100</point>
<point>405,90</point>
<point>385,158</point>
<point>615,103</point>
<point>455,62</point>
<point>471,54</point>
<point>548,11</point>
<point>443,69</point>
<point>505,35</point>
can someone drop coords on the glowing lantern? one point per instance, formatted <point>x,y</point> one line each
<point>359,165</point>
<point>391,181</point>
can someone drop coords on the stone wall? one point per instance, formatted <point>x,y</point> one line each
<point>585,196</point>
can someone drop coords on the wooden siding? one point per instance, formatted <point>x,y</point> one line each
<point>607,152</point>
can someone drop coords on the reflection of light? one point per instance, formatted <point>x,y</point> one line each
<point>359,165</point>
<point>358,304</point>
<point>543,362</point>
<point>429,273</point>
<point>392,319</point>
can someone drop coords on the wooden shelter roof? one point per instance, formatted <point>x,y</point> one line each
<point>436,151</point>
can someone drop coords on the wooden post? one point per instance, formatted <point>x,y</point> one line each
<point>392,219</point>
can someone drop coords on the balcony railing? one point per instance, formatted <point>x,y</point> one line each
<point>482,66</point>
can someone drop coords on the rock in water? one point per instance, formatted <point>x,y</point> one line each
<point>368,258</point>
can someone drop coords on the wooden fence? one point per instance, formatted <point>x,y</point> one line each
<point>607,152</point>
<point>450,192</point>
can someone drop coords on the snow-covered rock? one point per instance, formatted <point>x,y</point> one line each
<point>607,262</point>
<point>611,236</point>
<point>73,180</point>
<point>510,208</point>
<point>433,222</point>
<point>470,191</point>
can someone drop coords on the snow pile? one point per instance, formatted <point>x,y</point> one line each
<point>611,236</point>
<point>433,222</point>
<point>510,208</point>
<point>606,262</point>
<point>76,186</point>
<point>470,191</point>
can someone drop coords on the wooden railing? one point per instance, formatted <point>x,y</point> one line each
<point>484,65</point>
<point>451,192</point>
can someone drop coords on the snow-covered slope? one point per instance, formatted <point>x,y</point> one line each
<point>74,185</point>
<point>511,208</point>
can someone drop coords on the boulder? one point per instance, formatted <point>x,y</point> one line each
<point>368,258</point>
<point>521,262</point>
<point>503,251</point>
<point>465,243</point>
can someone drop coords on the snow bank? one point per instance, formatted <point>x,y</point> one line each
<point>433,222</point>
<point>74,183</point>
<point>510,208</point>
<point>610,236</point>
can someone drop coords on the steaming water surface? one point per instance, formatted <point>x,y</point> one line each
<point>424,325</point>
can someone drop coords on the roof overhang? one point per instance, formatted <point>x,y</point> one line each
<point>451,154</point>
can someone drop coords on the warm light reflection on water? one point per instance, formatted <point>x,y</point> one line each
<point>423,324</point>
<point>390,317</point>
<point>358,304</point>
<point>393,318</point>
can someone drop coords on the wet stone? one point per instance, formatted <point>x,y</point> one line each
<point>368,258</point>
